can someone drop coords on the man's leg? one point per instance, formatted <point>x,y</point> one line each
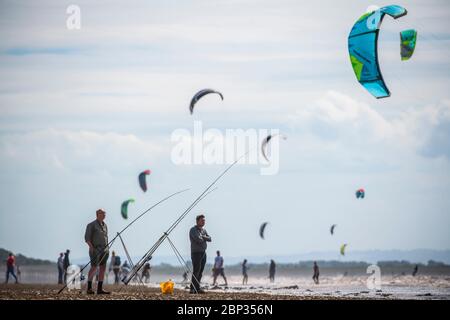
<point>14,275</point>
<point>7,276</point>
<point>202,267</point>
<point>91,275</point>
<point>224,278</point>
<point>101,274</point>
<point>196,259</point>
<point>101,277</point>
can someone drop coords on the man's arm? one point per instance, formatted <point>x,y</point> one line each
<point>88,237</point>
<point>206,237</point>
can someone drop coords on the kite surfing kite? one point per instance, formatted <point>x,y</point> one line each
<point>200,95</point>
<point>261,230</point>
<point>343,249</point>
<point>124,208</point>
<point>360,193</point>
<point>363,49</point>
<point>142,179</point>
<point>408,39</point>
<point>265,143</point>
<point>332,228</point>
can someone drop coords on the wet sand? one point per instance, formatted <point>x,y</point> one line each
<point>49,292</point>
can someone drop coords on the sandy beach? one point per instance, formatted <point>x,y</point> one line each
<point>49,292</point>
<point>285,288</point>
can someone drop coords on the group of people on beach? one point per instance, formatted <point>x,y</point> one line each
<point>96,238</point>
<point>63,264</point>
<point>199,238</point>
<point>121,271</point>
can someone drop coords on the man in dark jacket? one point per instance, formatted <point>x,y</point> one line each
<point>316,273</point>
<point>60,264</point>
<point>66,264</point>
<point>96,237</point>
<point>272,269</point>
<point>198,237</point>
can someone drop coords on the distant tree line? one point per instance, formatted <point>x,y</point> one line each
<point>22,260</point>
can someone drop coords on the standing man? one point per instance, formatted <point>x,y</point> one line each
<point>272,269</point>
<point>218,269</point>
<point>96,237</point>
<point>416,269</point>
<point>66,264</point>
<point>10,264</point>
<point>244,272</point>
<point>199,238</point>
<point>60,265</point>
<point>115,267</point>
<point>316,273</point>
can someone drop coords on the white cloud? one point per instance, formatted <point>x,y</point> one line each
<point>337,119</point>
<point>88,151</point>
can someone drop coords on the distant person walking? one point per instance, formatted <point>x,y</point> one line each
<point>66,264</point>
<point>60,265</point>
<point>10,264</point>
<point>218,269</point>
<point>146,272</point>
<point>199,238</point>
<point>416,269</point>
<point>316,273</point>
<point>115,267</point>
<point>125,269</point>
<point>96,236</point>
<point>272,269</point>
<point>244,272</point>
<point>111,264</point>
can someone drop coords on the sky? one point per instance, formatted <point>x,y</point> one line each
<point>83,111</point>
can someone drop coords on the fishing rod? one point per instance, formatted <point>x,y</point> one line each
<point>152,250</point>
<point>148,255</point>
<point>120,232</point>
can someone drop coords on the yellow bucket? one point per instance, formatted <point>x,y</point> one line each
<point>167,287</point>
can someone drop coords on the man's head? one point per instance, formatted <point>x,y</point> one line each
<point>101,214</point>
<point>218,253</point>
<point>200,219</point>
<point>61,254</point>
<point>10,254</point>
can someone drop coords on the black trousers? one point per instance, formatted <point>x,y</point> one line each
<point>198,264</point>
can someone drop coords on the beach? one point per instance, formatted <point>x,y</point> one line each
<point>284,288</point>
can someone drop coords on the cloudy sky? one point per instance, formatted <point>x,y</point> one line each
<point>84,111</point>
